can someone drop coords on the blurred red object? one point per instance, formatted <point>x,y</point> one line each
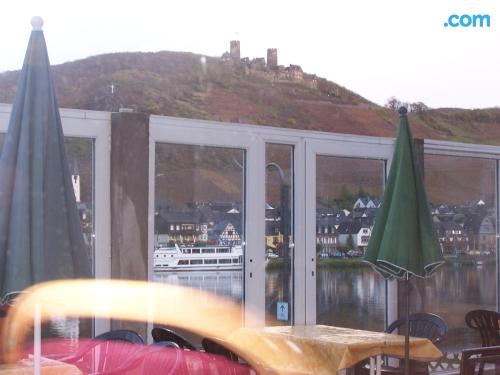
<point>118,357</point>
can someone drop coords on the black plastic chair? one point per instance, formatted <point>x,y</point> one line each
<point>166,344</point>
<point>476,358</point>
<point>424,325</point>
<point>121,335</point>
<point>486,323</point>
<point>212,346</point>
<point>165,334</point>
<point>111,353</point>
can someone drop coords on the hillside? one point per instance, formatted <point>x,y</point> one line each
<point>178,84</point>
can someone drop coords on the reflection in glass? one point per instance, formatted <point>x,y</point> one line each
<point>80,153</point>
<point>279,233</point>
<point>199,216</point>
<point>463,203</point>
<point>348,195</point>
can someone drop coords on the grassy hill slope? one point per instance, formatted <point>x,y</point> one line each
<point>178,84</point>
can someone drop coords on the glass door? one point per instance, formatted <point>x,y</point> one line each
<point>199,218</point>
<point>279,242</point>
<point>344,191</point>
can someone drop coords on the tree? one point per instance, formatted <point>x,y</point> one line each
<point>418,107</point>
<point>346,199</point>
<point>350,242</point>
<point>362,193</point>
<point>319,248</point>
<point>392,103</point>
<point>343,249</point>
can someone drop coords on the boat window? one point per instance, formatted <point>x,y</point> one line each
<point>208,251</point>
<point>210,261</point>
<point>196,251</point>
<point>236,260</point>
<point>224,261</point>
<point>196,261</point>
<point>223,250</point>
<point>183,262</point>
<point>186,251</point>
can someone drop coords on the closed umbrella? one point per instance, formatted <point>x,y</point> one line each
<point>41,236</point>
<point>404,241</point>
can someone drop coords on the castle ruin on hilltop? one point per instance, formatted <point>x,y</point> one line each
<point>269,70</point>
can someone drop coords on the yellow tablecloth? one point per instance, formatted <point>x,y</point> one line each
<point>48,367</point>
<point>319,349</point>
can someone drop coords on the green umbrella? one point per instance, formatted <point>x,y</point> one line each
<point>404,241</point>
<point>41,235</point>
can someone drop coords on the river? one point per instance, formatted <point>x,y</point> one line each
<point>355,296</point>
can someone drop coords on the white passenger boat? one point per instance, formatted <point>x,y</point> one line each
<point>205,258</point>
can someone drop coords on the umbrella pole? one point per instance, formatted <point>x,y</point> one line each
<point>407,333</point>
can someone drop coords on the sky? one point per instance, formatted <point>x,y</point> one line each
<point>378,49</point>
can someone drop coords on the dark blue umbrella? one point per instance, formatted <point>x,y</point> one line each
<point>41,236</point>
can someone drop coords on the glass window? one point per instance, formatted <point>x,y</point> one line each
<point>349,293</point>
<point>200,189</point>
<point>463,202</point>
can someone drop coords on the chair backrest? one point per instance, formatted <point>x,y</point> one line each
<point>121,335</point>
<point>165,334</point>
<point>425,325</point>
<point>477,358</point>
<point>110,353</point>
<point>166,344</point>
<point>213,347</point>
<point>486,322</point>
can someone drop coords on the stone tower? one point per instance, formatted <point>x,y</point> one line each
<point>272,57</point>
<point>235,51</point>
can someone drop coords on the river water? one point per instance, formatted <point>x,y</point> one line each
<point>355,297</point>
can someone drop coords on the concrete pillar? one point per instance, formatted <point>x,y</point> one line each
<point>129,200</point>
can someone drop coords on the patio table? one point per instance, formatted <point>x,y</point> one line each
<point>319,349</point>
<point>47,367</point>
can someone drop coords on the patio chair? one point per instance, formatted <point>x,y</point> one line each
<point>213,346</point>
<point>165,334</point>
<point>486,323</point>
<point>424,325</point>
<point>111,353</point>
<point>223,360</point>
<point>475,359</point>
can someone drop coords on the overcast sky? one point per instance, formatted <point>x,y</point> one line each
<point>376,48</point>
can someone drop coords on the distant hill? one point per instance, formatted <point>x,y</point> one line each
<point>178,84</point>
